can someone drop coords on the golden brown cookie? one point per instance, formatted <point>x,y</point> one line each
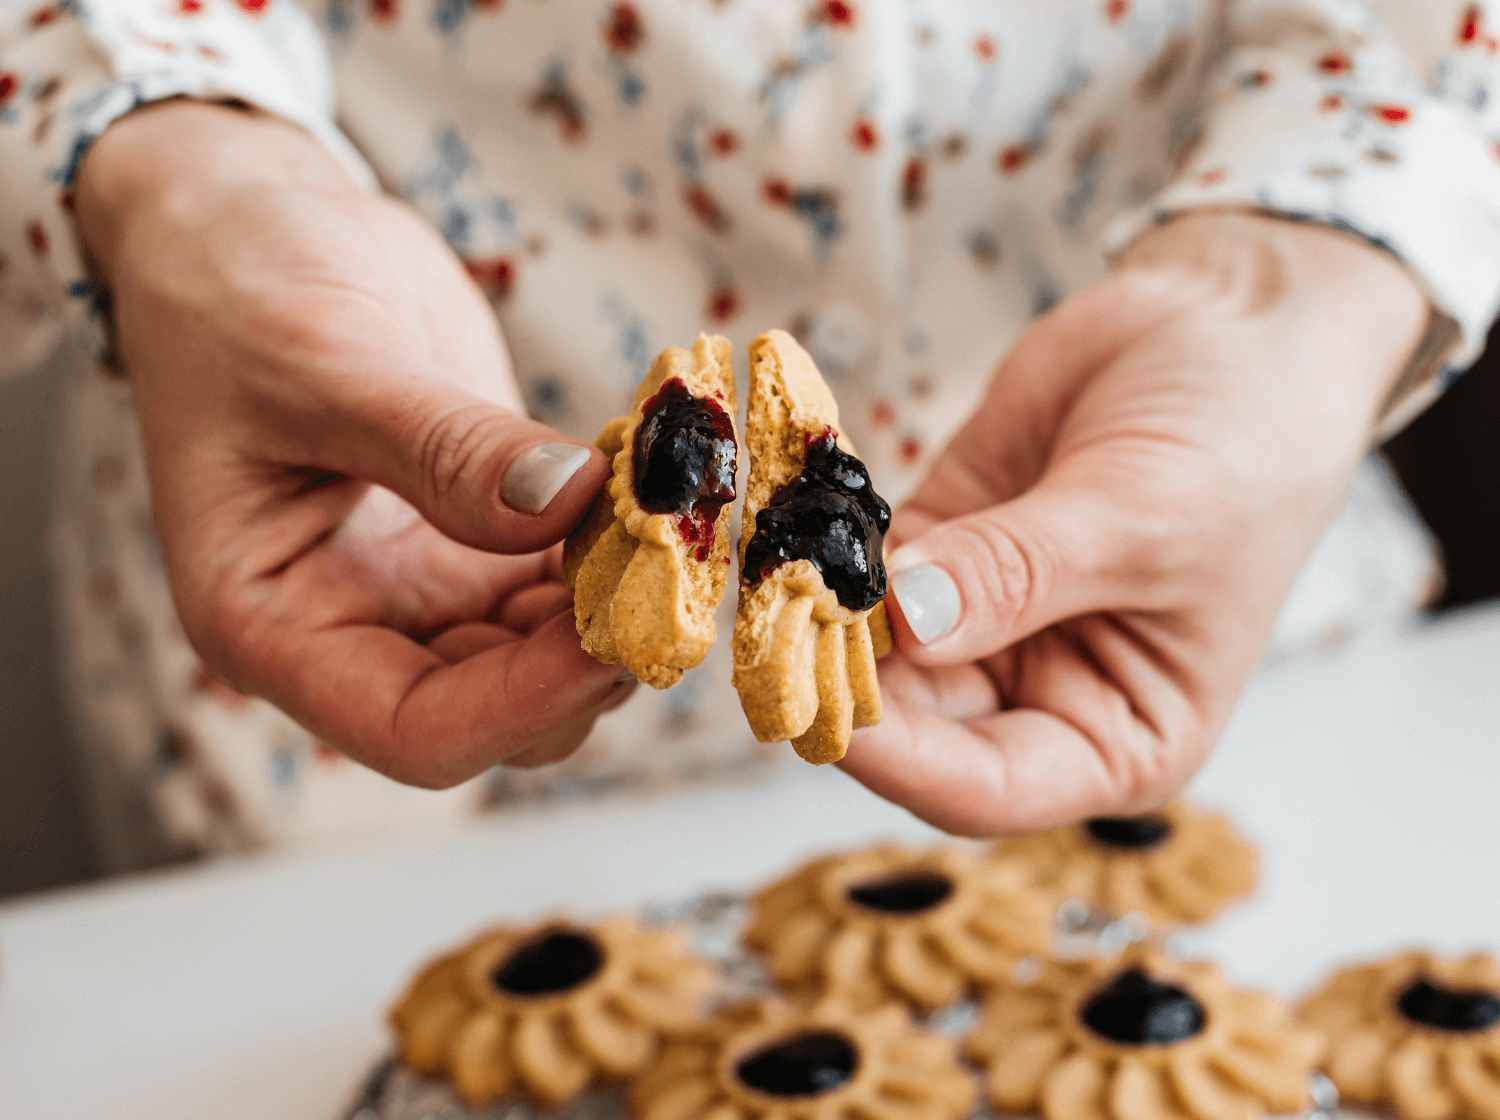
<point>1416,1032</point>
<point>1141,1037</point>
<point>548,1009</point>
<point>769,1060</point>
<point>1175,865</point>
<point>811,618</point>
<point>649,564</point>
<point>891,924</point>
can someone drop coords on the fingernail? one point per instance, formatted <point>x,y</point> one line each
<point>625,675</point>
<point>537,475</point>
<point>929,601</point>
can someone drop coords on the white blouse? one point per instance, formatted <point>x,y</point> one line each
<point>903,183</point>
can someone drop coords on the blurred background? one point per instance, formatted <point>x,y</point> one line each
<point>1448,460</point>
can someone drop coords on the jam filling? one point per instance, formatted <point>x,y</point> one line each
<point>903,894</point>
<point>685,460</point>
<point>1132,833</point>
<point>1135,1009</point>
<point>800,1066</point>
<point>831,516</point>
<point>1449,1009</point>
<point>551,963</point>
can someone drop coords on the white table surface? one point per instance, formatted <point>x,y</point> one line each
<point>256,988</point>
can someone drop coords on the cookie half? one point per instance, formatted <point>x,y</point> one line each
<point>648,566</point>
<point>810,623</point>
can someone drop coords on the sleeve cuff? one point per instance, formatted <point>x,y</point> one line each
<point>1406,172</point>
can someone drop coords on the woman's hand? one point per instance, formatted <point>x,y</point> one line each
<point>1087,578</point>
<point>291,340</point>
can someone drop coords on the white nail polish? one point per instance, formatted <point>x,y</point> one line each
<point>929,601</point>
<point>537,475</point>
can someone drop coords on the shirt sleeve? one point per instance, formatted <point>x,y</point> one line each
<point>68,69</point>
<point>1379,117</point>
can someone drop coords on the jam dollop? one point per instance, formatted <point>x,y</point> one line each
<point>1132,833</point>
<point>800,1066</point>
<point>685,460</point>
<point>1448,1009</point>
<point>909,893</point>
<point>553,962</point>
<point>830,515</point>
<point>1136,1010</point>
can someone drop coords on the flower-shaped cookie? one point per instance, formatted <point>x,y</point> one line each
<point>1175,865</point>
<point>888,923</point>
<point>769,1060</point>
<point>649,565</point>
<point>548,1009</point>
<point>810,623</point>
<point>1417,1032</point>
<point>1140,1037</point>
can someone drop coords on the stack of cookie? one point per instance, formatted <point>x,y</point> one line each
<point>891,984</point>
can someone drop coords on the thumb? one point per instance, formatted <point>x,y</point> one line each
<point>969,587</point>
<point>481,474</point>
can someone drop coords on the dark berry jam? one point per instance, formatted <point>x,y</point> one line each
<point>800,1066</point>
<point>903,894</point>
<point>1137,1010</point>
<point>554,962</point>
<point>831,516</point>
<point>1132,833</point>
<point>685,459</point>
<point>1449,1009</point>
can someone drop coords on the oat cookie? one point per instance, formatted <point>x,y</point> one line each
<point>770,1060</point>
<point>1416,1032</point>
<point>648,566</point>
<point>1141,1037</point>
<point>892,924</point>
<point>1175,866</point>
<point>548,1009</point>
<point>811,618</point>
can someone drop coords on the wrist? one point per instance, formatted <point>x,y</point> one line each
<point>174,157</point>
<point>1325,292</point>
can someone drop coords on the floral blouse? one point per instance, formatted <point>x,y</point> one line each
<point>904,184</point>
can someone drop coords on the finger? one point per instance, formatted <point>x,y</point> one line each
<point>399,708</point>
<point>467,639</point>
<point>527,609</point>
<point>484,475</point>
<point>971,586</point>
<point>1013,771</point>
<point>562,743</point>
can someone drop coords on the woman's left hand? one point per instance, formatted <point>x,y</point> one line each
<point>1088,576</point>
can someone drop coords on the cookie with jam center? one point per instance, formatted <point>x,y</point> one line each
<point>544,1011</point>
<point>1177,865</point>
<point>1141,1037</point>
<point>1416,1032</point>
<point>810,622</point>
<point>769,1059</point>
<point>889,924</point>
<point>649,565</point>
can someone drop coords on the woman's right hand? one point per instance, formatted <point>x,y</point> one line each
<point>292,340</point>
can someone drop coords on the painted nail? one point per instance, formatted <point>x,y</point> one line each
<point>537,475</point>
<point>625,675</point>
<point>929,601</point>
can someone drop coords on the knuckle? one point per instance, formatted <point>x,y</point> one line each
<point>1004,569</point>
<point>451,452</point>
